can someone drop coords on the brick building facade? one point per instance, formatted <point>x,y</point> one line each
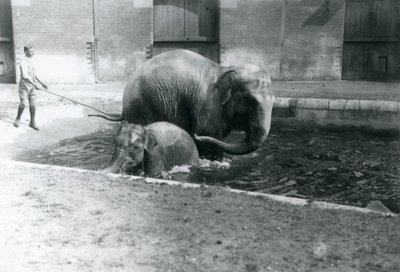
<point>83,41</point>
<point>295,39</point>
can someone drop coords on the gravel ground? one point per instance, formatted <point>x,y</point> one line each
<point>60,219</point>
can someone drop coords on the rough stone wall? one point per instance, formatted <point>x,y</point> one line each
<point>312,37</point>
<point>124,31</point>
<point>60,32</point>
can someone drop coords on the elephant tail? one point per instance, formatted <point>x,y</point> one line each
<point>109,117</point>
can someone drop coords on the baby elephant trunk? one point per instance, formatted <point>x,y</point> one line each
<point>117,162</point>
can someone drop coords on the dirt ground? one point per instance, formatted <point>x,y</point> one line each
<point>68,220</point>
<point>59,219</point>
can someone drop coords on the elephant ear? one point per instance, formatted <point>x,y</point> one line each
<point>224,85</point>
<point>151,143</point>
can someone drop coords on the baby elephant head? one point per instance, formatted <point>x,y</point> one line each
<point>132,142</point>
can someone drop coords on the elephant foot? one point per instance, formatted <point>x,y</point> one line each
<point>34,126</point>
<point>16,123</point>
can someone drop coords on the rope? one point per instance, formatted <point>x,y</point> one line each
<point>74,101</point>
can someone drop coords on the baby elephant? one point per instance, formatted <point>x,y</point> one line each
<point>152,148</point>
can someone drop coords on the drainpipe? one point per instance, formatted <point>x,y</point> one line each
<point>282,39</point>
<point>95,53</point>
<point>14,52</point>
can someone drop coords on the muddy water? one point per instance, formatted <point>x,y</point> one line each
<point>343,166</point>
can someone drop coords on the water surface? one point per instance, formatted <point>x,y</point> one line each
<point>343,166</point>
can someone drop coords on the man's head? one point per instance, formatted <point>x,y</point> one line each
<point>28,50</point>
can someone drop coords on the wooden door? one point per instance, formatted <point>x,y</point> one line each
<point>7,74</point>
<point>186,24</point>
<point>371,40</point>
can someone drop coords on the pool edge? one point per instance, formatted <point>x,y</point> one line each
<point>278,198</point>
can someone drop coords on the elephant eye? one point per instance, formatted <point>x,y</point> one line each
<point>253,84</point>
<point>135,145</point>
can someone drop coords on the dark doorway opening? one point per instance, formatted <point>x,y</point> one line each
<point>7,74</point>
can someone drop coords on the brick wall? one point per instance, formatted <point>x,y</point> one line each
<point>249,32</point>
<point>313,37</point>
<point>314,40</point>
<point>59,32</point>
<point>124,30</point>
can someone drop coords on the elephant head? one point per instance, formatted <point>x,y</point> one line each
<point>246,101</point>
<point>132,142</point>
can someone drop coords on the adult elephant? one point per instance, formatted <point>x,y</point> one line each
<point>202,97</point>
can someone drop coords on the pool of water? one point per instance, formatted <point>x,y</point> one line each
<point>343,166</point>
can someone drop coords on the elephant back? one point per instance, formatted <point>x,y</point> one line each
<point>179,147</point>
<point>170,87</point>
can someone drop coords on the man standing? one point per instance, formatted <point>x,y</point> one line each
<point>28,85</point>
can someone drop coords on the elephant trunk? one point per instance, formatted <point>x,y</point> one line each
<point>117,162</point>
<point>257,132</point>
<point>250,144</point>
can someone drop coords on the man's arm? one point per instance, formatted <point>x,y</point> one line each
<point>25,75</point>
<point>41,83</point>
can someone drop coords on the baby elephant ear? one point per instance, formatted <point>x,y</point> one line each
<point>224,85</point>
<point>150,143</point>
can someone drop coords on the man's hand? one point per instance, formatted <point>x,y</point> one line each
<point>40,86</point>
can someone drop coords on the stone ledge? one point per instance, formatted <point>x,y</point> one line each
<point>283,199</point>
<point>337,104</point>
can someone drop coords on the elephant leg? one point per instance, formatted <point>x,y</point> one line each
<point>135,170</point>
<point>154,162</point>
<point>154,168</point>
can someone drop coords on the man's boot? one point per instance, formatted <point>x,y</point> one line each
<point>19,114</point>
<point>32,124</point>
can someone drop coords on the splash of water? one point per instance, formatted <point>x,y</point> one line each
<point>180,169</point>
<point>207,164</point>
